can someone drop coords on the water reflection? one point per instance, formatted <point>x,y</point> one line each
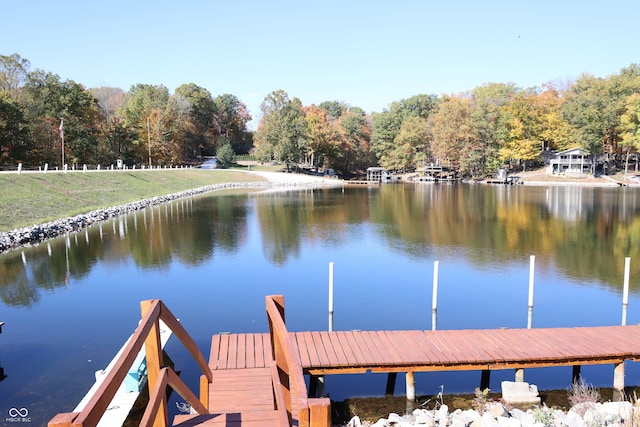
<point>71,302</point>
<point>583,232</point>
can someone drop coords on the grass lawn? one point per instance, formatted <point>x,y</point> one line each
<point>36,198</point>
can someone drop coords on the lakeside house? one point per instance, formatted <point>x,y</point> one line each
<point>378,174</point>
<point>570,161</point>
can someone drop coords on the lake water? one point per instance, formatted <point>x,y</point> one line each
<point>69,304</point>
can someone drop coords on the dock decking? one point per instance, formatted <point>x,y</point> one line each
<point>322,352</point>
<point>342,352</point>
<point>256,379</point>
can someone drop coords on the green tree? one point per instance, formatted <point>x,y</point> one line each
<point>584,108</point>
<point>48,100</point>
<point>412,145</point>
<point>230,116</point>
<point>14,143</point>
<point>630,125</point>
<point>333,109</point>
<point>13,73</point>
<point>198,133</point>
<point>481,152</point>
<point>225,154</point>
<point>355,142</point>
<point>386,126</point>
<point>154,117</point>
<point>322,138</point>
<point>521,140</point>
<point>555,130</point>
<point>453,130</point>
<point>282,132</point>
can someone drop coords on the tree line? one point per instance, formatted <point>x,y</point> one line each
<point>476,132</point>
<point>147,124</point>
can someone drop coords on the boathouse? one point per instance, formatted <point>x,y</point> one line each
<point>378,174</point>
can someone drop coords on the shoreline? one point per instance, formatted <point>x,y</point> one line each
<point>273,181</point>
<point>35,234</point>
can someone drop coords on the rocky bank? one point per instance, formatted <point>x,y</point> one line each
<point>38,233</point>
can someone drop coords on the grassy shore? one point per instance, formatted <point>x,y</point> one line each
<point>36,198</point>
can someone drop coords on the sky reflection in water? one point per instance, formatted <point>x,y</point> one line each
<point>69,304</point>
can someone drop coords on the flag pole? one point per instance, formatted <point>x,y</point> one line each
<point>61,129</point>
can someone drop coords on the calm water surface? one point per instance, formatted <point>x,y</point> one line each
<point>69,304</point>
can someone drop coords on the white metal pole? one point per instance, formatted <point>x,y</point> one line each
<point>434,300</point>
<point>330,296</point>
<point>625,292</point>
<point>532,265</point>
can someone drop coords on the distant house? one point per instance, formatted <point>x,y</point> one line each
<point>378,174</point>
<point>571,161</point>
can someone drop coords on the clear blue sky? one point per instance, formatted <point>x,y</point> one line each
<point>366,53</point>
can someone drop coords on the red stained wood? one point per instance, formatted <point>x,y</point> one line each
<point>242,379</point>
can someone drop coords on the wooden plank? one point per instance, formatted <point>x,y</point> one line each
<point>377,349</point>
<point>334,360</point>
<point>397,353</point>
<point>262,352</point>
<point>350,341</point>
<point>237,419</point>
<point>223,354</point>
<point>322,351</point>
<point>476,347</point>
<point>241,352</point>
<point>303,354</point>
<point>420,341</point>
<point>342,338</point>
<point>336,344</point>
<point>366,353</point>
<point>214,354</point>
<point>232,352</point>
<point>312,353</point>
<point>465,352</point>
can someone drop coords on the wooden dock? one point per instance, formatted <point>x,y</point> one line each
<point>257,379</point>
<point>348,352</point>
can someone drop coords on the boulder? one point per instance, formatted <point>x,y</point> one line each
<point>520,394</point>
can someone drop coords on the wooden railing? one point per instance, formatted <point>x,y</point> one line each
<point>290,390</point>
<point>158,376</point>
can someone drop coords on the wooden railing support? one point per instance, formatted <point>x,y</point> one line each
<point>320,412</point>
<point>158,377</point>
<point>288,375</point>
<point>153,355</point>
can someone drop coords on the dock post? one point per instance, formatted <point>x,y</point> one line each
<point>316,386</point>
<point>625,293</point>
<point>411,393</point>
<point>434,299</point>
<point>330,296</point>
<point>391,384</point>
<point>618,382</point>
<point>575,374</point>
<point>411,386</point>
<point>485,379</point>
<point>532,264</point>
